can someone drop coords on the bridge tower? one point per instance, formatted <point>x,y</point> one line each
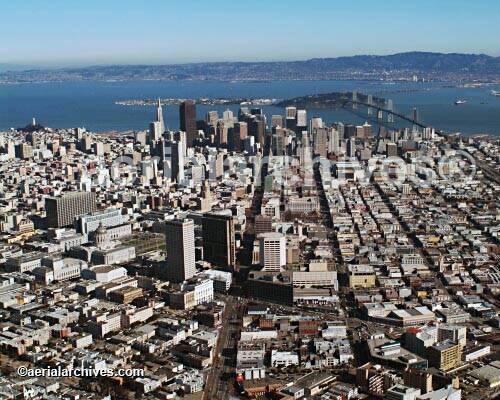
<point>415,115</point>
<point>380,114</point>
<point>370,102</point>
<point>390,116</point>
<point>354,100</point>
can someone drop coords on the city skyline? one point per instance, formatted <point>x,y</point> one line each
<point>58,35</point>
<point>316,222</point>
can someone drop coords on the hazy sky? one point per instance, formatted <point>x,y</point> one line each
<point>57,32</point>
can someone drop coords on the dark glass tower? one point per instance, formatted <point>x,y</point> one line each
<point>187,111</point>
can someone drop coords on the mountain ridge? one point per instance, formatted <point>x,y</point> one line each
<point>434,66</point>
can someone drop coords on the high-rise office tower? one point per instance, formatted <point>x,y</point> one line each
<point>61,211</point>
<point>236,135</point>
<point>334,141</point>
<point>197,174</point>
<point>141,137</point>
<point>394,136</point>
<point>181,137</point>
<point>219,246</point>
<point>351,148</point>
<point>276,120</point>
<point>382,132</point>
<point>221,133</point>
<point>205,201</point>
<point>242,129</point>
<point>228,118</point>
<point>278,142</point>
<point>233,139</point>
<point>291,115</point>
<point>25,151</point>
<point>243,112</point>
<point>172,157</point>
<point>341,129</point>
<point>85,143</point>
<point>155,132</point>
<point>179,240</point>
<point>211,117</point>
<point>79,133</point>
<point>349,131</point>
<point>320,136</point>
<point>248,145</point>
<point>257,128</point>
<point>263,224</point>
<point>392,150</point>
<point>290,112</point>
<point>272,251</point>
<point>367,130</point>
<point>216,165</point>
<point>301,119</point>
<point>187,111</point>
<point>315,123</point>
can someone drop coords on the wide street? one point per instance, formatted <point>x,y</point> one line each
<point>219,383</point>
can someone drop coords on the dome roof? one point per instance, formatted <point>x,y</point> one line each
<point>101,229</point>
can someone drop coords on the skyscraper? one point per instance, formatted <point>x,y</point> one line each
<point>392,150</point>
<point>367,130</point>
<point>278,142</point>
<point>179,242</point>
<point>351,148</point>
<point>291,114</point>
<point>301,119</point>
<point>159,117</point>
<point>228,118</point>
<point>349,131</point>
<point>211,117</point>
<point>236,136</point>
<point>276,120</point>
<point>243,112</point>
<point>219,246</point>
<point>257,128</point>
<point>155,132</point>
<point>172,157</point>
<point>205,200</point>
<point>233,140</point>
<point>263,224</point>
<point>334,142</point>
<point>341,129</point>
<point>242,129</point>
<point>187,111</point>
<point>272,251</point>
<point>221,133</point>
<point>61,211</point>
<point>320,136</point>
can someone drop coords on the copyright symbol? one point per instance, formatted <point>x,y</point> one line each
<point>22,371</point>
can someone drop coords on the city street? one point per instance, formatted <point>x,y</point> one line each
<point>219,383</point>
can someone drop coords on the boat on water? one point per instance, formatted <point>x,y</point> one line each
<point>495,93</point>
<point>458,102</point>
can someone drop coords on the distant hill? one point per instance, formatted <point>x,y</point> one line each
<point>432,66</point>
<point>13,67</point>
<point>326,100</point>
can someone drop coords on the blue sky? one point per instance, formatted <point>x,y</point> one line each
<point>58,33</point>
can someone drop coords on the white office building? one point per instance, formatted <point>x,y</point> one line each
<point>272,251</point>
<point>87,223</point>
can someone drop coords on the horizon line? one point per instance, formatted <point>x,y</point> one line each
<point>20,65</point>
